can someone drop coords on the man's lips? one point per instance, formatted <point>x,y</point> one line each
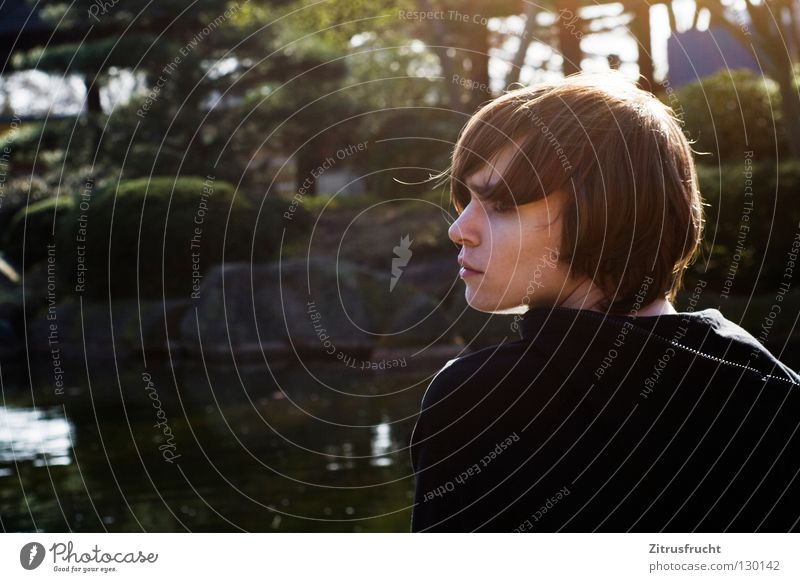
<point>467,268</point>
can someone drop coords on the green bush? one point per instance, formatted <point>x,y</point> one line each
<point>764,234</point>
<point>730,112</point>
<point>25,239</point>
<point>17,194</point>
<point>144,228</point>
<point>47,145</point>
<point>418,144</point>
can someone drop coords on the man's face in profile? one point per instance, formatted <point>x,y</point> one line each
<point>509,254</point>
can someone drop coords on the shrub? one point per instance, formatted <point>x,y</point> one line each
<point>420,141</point>
<point>17,193</point>
<point>46,145</point>
<point>764,235</point>
<point>144,228</point>
<point>30,230</point>
<point>730,112</point>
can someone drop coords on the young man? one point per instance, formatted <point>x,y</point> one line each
<point>578,209</point>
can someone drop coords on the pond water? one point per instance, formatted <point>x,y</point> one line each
<point>194,447</point>
<point>309,447</point>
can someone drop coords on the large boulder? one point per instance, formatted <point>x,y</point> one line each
<point>246,310</point>
<point>477,329</point>
<point>76,330</point>
<point>319,308</point>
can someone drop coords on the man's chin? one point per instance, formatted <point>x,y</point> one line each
<point>479,302</point>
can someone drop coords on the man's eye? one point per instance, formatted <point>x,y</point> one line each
<point>501,208</point>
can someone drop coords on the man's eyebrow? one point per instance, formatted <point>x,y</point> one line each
<point>480,189</point>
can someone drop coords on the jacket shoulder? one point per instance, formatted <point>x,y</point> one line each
<point>469,387</point>
<point>492,365</point>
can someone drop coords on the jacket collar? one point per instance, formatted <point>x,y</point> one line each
<point>537,318</point>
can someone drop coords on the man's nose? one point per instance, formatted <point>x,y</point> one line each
<point>464,231</point>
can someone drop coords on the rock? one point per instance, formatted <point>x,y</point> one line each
<point>475,328</point>
<point>130,320</point>
<point>419,322</point>
<point>434,274</point>
<point>322,307</point>
<point>277,309</point>
<point>65,328</point>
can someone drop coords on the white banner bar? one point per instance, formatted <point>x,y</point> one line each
<point>400,557</point>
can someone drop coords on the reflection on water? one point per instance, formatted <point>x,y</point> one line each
<point>339,450</point>
<point>42,436</point>
<point>251,449</point>
<point>381,445</point>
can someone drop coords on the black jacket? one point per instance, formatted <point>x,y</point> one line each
<point>593,422</point>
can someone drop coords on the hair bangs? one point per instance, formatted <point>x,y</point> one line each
<point>535,170</point>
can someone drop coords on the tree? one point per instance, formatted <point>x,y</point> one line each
<point>772,34</point>
<point>138,35</point>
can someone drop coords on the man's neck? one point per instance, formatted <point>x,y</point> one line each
<point>658,307</point>
<point>588,296</point>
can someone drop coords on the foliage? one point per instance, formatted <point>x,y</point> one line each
<point>93,58</point>
<point>25,240</point>
<point>18,193</point>
<point>731,112</point>
<point>748,247</point>
<point>410,146</point>
<point>43,146</point>
<point>162,235</point>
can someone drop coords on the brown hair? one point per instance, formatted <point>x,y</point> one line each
<point>633,206</point>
